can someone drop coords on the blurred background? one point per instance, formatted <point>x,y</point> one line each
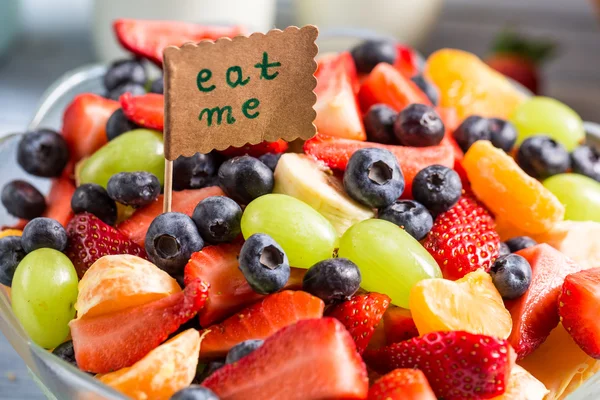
<point>40,40</point>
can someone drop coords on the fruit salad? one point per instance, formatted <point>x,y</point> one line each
<point>437,238</point>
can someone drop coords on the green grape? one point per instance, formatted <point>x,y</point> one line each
<point>579,194</point>
<point>390,260</point>
<point>546,116</point>
<point>305,235</point>
<point>137,150</point>
<point>44,292</point>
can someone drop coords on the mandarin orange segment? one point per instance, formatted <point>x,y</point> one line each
<point>523,386</point>
<point>10,232</point>
<point>509,192</point>
<point>470,304</point>
<point>162,372</point>
<point>114,283</point>
<point>507,230</point>
<point>471,86</point>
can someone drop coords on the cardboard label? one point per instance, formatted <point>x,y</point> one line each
<point>241,90</point>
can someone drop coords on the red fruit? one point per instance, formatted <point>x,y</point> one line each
<point>388,86</point>
<point>535,313</point>
<point>458,365</point>
<point>117,340</point>
<point>59,201</point>
<point>402,384</point>
<point>337,109</point>
<point>398,325</point>
<point>91,239</point>
<point>259,321</point>
<point>463,239</point>
<point>312,359</point>
<point>147,110</point>
<point>149,38</point>
<point>257,150</point>
<point>335,153</point>
<point>84,124</point>
<point>360,315</point>
<point>450,118</point>
<point>408,62</point>
<point>579,306</point>
<point>185,201</point>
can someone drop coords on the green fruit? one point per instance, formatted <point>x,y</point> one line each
<point>44,292</point>
<point>390,260</point>
<point>579,194</point>
<point>137,150</point>
<point>304,234</point>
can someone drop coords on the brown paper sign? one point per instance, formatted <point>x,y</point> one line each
<point>241,90</point>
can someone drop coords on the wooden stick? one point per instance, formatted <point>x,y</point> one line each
<point>168,186</point>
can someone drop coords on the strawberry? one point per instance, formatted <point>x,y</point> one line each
<point>116,340</point>
<point>312,359</point>
<point>463,239</point>
<point>256,150</point>
<point>147,110</point>
<point>402,384</point>
<point>259,321</point>
<point>148,39</point>
<point>59,201</point>
<point>84,124</point>
<point>398,325</point>
<point>578,309</point>
<point>329,62</point>
<point>535,314</point>
<point>408,61</point>
<point>360,315</point>
<point>91,239</point>
<point>458,365</point>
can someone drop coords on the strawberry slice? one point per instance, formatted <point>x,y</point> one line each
<point>148,39</point>
<point>535,313</point>
<point>59,201</point>
<point>185,201</point>
<point>402,384</point>
<point>578,309</point>
<point>91,239</point>
<point>360,315</point>
<point>259,321</point>
<point>117,340</point>
<point>458,365</point>
<point>463,239</point>
<point>337,109</point>
<point>398,325</point>
<point>256,150</point>
<point>408,62</point>
<point>312,359</point>
<point>84,124</point>
<point>147,110</point>
<point>335,153</point>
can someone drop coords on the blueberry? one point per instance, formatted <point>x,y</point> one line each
<point>410,216</point>
<point>170,241</point>
<point>22,200</point>
<point>134,88</point>
<point>195,172</point>
<point>379,124</point>
<point>124,71</point>
<point>118,124</point>
<point>519,243</point>
<point>428,88</point>
<point>333,279</point>
<point>586,161</point>
<point>264,264</point>
<point>419,125</point>
<point>208,370</point>
<point>511,275</point>
<point>270,160</point>
<point>369,53</point>
<point>66,352</point>
<point>245,178</point>
<point>11,254</point>
<point>437,187</point>
<point>541,157</point>
<point>241,350</point>
<point>134,189</point>
<point>218,219</point>
<point>94,199</point>
<point>503,134</point>
<point>43,153</point>
<point>373,177</point>
<point>195,392</point>
<point>472,129</point>
<point>157,85</point>
<point>503,249</point>
<point>44,233</point>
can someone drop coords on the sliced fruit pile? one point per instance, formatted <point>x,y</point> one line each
<point>368,265</point>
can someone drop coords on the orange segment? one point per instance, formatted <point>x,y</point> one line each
<point>523,386</point>
<point>508,191</point>
<point>117,282</point>
<point>10,232</point>
<point>471,86</point>
<point>162,372</point>
<point>470,304</point>
<point>506,230</point>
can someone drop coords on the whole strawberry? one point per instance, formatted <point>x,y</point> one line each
<point>463,239</point>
